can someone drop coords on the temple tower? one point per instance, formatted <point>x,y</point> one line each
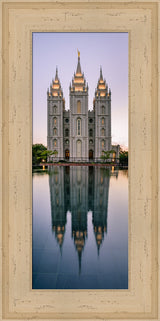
<point>55,118</point>
<point>78,116</point>
<point>102,108</point>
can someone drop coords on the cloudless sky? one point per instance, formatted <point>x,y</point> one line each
<point>109,50</point>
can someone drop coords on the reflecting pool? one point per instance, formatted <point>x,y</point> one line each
<point>80,228</point>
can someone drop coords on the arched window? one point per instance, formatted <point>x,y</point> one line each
<point>103,110</point>
<point>54,131</point>
<point>66,132</point>
<point>67,141</point>
<point>91,132</point>
<point>91,141</point>
<point>55,142</point>
<point>103,143</point>
<point>54,121</point>
<point>78,107</point>
<point>78,126</point>
<point>102,131</point>
<point>55,109</point>
<point>102,121</point>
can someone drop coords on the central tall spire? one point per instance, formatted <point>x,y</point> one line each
<point>78,71</point>
<point>78,81</point>
<point>101,77</point>
<point>56,77</point>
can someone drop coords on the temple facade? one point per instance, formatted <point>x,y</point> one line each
<point>79,134</point>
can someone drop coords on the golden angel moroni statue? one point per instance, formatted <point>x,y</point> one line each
<point>78,53</point>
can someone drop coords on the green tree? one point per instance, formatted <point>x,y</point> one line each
<point>43,156</point>
<point>123,157</point>
<point>37,149</point>
<point>107,154</point>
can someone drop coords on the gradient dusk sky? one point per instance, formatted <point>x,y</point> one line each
<point>109,50</point>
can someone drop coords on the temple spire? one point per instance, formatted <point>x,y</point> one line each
<point>56,77</point>
<point>101,76</point>
<point>78,71</point>
<point>78,53</point>
<point>78,80</point>
<point>102,87</point>
<point>80,261</point>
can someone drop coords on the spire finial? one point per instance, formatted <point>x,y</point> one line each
<point>78,65</point>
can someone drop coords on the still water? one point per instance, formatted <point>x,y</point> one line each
<point>80,228</point>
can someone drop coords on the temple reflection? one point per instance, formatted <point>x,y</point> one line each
<point>58,211</point>
<point>100,209</point>
<point>79,190</point>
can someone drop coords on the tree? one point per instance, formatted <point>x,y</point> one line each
<point>43,156</point>
<point>123,157</point>
<point>106,154</point>
<point>37,149</point>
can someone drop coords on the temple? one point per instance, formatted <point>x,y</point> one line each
<point>79,134</point>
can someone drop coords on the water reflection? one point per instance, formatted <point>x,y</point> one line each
<point>79,190</point>
<point>80,238</point>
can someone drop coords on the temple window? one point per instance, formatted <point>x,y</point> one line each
<point>55,142</point>
<point>78,126</point>
<point>66,132</point>
<point>103,144</point>
<point>102,132</point>
<point>55,121</point>
<point>102,121</point>
<point>54,131</point>
<point>103,110</point>
<point>54,109</point>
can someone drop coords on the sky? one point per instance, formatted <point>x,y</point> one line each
<point>108,50</point>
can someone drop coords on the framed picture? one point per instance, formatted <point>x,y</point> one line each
<point>19,299</point>
<point>80,161</point>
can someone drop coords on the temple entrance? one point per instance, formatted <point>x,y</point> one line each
<point>90,154</point>
<point>67,154</point>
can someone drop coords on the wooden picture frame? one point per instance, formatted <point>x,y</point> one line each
<point>19,19</point>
